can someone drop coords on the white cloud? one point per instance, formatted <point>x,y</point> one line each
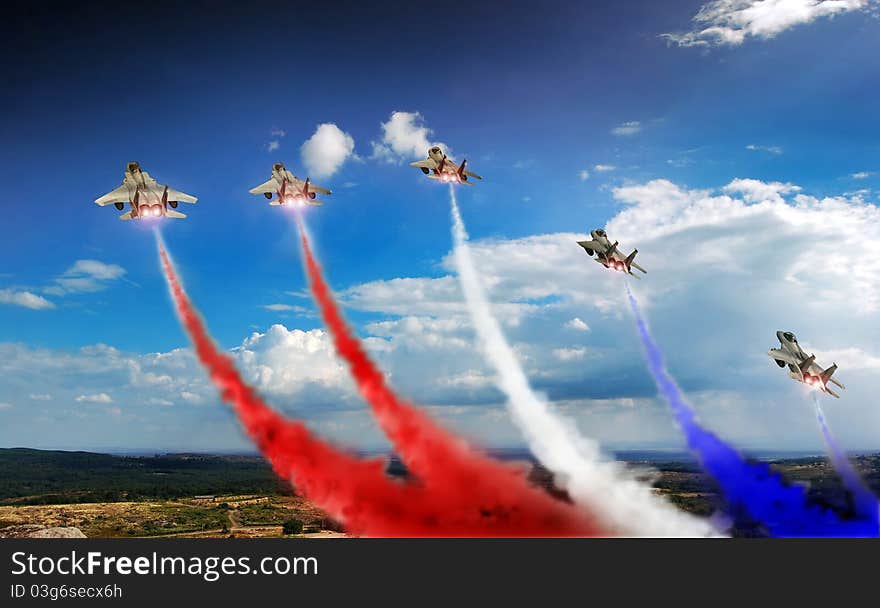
<point>85,276</point>
<point>25,299</point>
<point>40,397</point>
<point>570,354</point>
<point>628,128</point>
<point>862,175</point>
<point>577,324</point>
<point>769,149</point>
<point>279,307</point>
<point>604,168</point>
<point>584,175</point>
<point>277,135</point>
<point>730,22</point>
<point>727,267</point>
<point>326,150</point>
<point>290,362</point>
<point>96,270</point>
<point>96,398</point>
<point>191,397</point>
<point>847,358</point>
<point>755,191</point>
<point>405,137</point>
<point>6,406</point>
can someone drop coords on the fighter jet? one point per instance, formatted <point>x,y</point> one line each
<point>290,190</point>
<point>802,368</point>
<point>146,197</point>
<point>437,166</point>
<point>608,255</point>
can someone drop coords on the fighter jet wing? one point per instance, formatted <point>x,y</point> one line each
<point>425,164</point>
<point>120,195</point>
<point>783,355</point>
<point>269,187</point>
<point>592,245</point>
<point>315,188</point>
<point>177,195</point>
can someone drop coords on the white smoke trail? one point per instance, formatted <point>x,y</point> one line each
<point>624,504</point>
<point>865,501</point>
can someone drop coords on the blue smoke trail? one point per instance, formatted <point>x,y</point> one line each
<point>865,503</point>
<point>752,487</point>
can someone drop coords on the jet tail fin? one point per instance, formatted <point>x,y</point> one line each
<point>826,375</point>
<point>629,259</point>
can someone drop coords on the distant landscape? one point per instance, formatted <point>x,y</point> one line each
<point>201,495</point>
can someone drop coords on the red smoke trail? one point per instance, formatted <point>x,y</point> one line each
<point>355,491</point>
<point>441,460</point>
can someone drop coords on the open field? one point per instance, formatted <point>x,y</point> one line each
<point>220,517</point>
<point>239,496</point>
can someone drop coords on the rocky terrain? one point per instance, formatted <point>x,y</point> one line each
<point>38,531</point>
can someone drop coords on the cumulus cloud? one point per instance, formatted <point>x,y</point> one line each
<point>584,175</point>
<point>861,175</point>
<point>755,191</point>
<point>628,128</point>
<point>405,137</point>
<point>577,324</point>
<point>25,299</point>
<point>326,150</point>
<point>85,276</point>
<point>604,168</point>
<point>727,268</point>
<point>295,362</point>
<point>731,22</point>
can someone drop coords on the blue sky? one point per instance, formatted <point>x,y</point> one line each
<point>532,98</point>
